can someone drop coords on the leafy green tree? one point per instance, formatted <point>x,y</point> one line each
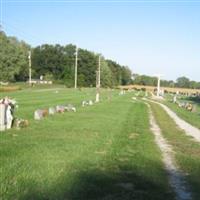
<point>116,72</point>
<point>183,82</point>
<point>145,80</point>
<point>125,75</point>
<point>87,66</point>
<point>106,74</point>
<point>13,62</point>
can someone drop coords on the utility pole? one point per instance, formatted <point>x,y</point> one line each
<point>98,80</point>
<point>29,61</point>
<point>76,65</point>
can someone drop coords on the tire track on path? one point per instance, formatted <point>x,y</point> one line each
<point>176,177</point>
<point>188,128</point>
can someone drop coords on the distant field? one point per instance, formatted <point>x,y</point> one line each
<point>167,89</point>
<point>105,151</point>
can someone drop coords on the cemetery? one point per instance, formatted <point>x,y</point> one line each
<point>99,100</point>
<point>93,139</point>
<point>65,126</point>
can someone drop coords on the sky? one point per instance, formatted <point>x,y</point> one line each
<point>151,37</point>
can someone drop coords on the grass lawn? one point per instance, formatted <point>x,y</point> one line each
<point>105,151</point>
<point>187,151</point>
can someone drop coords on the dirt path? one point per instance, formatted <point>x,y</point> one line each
<point>188,128</point>
<point>176,178</point>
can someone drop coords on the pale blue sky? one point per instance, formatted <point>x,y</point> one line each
<point>150,37</point>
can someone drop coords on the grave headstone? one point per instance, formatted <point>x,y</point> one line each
<point>84,103</point>
<point>90,102</point>
<point>2,117</point>
<point>52,111</point>
<point>7,107</point>
<point>174,99</point>
<point>21,123</point>
<point>70,108</point>
<point>60,109</point>
<point>38,114</point>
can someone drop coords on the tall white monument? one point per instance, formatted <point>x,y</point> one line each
<point>158,84</point>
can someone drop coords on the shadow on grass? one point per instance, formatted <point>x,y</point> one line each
<point>103,185</point>
<point>194,99</point>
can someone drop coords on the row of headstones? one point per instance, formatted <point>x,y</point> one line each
<point>41,113</point>
<point>185,105</point>
<point>122,92</point>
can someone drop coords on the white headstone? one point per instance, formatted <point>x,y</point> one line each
<point>2,117</point>
<point>174,99</point>
<point>38,115</point>
<point>9,117</point>
<point>70,107</point>
<point>52,110</point>
<point>90,102</point>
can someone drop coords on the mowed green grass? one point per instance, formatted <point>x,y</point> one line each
<point>105,151</point>
<point>187,151</point>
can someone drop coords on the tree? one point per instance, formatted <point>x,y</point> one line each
<point>125,75</point>
<point>87,66</point>
<point>14,62</point>
<point>106,74</point>
<point>183,82</point>
<point>145,80</point>
<point>116,72</point>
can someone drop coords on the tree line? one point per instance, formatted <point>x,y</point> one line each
<point>57,63</point>
<point>181,82</point>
